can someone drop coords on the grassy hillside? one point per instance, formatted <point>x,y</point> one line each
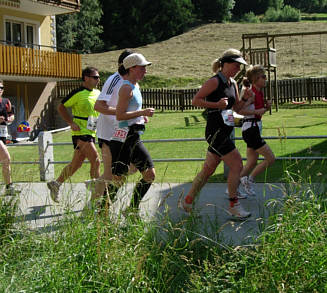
<point>190,55</point>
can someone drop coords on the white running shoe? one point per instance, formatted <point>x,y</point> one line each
<point>248,185</point>
<point>238,212</point>
<point>239,193</point>
<point>90,185</point>
<point>54,190</point>
<point>185,206</point>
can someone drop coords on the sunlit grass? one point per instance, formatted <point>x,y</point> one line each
<point>94,254</point>
<point>300,121</point>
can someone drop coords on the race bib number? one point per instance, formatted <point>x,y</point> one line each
<point>248,124</point>
<point>3,131</point>
<point>120,134</point>
<point>228,117</point>
<point>92,123</point>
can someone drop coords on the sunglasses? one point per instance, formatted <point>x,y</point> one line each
<point>2,87</point>
<point>264,76</point>
<point>95,76</point>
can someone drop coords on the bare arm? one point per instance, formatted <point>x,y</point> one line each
<point>103,108</point>
<point>10,116</point>
<point>63,112</point>
<point>242,103</point>
<point>208,87</point>
<point>125,94</point>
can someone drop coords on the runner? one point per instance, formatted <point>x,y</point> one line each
<point>106,105</point>
<point>126,146</point>
<point>252,128</point>
<point>6,117</point>
<point>220,95</point>
<point>83,128</point>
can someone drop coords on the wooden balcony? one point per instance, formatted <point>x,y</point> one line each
<point>43,7</point>
<point>21,61</point>
<point>71,4</point>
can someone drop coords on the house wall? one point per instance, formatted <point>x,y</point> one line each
<point>26,93</point>
<point>42,23</point>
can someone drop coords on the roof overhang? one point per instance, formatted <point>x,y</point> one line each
<point>42,7</point>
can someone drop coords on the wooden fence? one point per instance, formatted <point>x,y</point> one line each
<point>302,89</point>
<point>299,89</point>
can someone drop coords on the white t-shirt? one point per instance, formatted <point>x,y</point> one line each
<point>106,123</point>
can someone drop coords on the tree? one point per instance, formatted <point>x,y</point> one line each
<point>256,6</point>
<point>309,6</point>
<point>276,4</point>
<point>214,10</point>
<point>81,31</point>
<point>135,23</point>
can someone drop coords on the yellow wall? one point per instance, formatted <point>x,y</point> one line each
<point>45,34</point>
<point>1,27</point>
<point>43,23</point>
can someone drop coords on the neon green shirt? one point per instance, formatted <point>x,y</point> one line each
<point>82,102</point>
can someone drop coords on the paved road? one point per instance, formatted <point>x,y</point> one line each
<point>209,221</point>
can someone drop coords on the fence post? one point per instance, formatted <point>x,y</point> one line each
<point>46,156</point>
<point>226,169</point>
<point>309,89</point>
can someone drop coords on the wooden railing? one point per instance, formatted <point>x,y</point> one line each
<point>289,90</point>
<point>31,62</point>
<point>73,4</point>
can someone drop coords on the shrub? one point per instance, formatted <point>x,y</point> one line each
<point>250,18</point>
<point>287,14</point>
<point>271,15</point>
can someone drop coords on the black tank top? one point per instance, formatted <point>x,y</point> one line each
<point>223,90</point>
<point>3,109</point>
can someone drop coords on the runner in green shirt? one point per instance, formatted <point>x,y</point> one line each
<point>83,128</point>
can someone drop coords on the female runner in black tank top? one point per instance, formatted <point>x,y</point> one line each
<point>6,116</point>
<point>219,94</point>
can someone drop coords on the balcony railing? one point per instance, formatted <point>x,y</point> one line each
<point>75,4</point>
<point>17,60</point>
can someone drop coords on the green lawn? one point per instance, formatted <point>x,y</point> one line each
<point>288,121</point>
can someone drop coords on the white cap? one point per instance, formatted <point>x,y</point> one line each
<point>135,59</point>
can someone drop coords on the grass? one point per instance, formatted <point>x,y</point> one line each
<point>290,120</point>
<point>184,61</point>
<point>97,255</point>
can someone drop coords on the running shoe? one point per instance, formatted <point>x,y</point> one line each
<point>238,212</point>
<point>90,185</point>
<point>186,204</point>
<point>239,193</point>
<point>248,185</point>
<point>54,190</point>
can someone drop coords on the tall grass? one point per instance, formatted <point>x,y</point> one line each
<point>94,254</point>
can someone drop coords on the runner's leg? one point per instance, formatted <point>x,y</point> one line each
<point>5,161</point>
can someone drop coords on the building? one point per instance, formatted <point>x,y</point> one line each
<point>30,63</point>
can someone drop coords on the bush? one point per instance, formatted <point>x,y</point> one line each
<point>287,14</point>
<point>271,15</point>
<point>250,18</point>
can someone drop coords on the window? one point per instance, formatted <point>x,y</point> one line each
<point>29,36</point>
<point>19,33</point>
<point>8,32</point>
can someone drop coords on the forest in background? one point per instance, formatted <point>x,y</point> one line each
<point>105,25</point>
